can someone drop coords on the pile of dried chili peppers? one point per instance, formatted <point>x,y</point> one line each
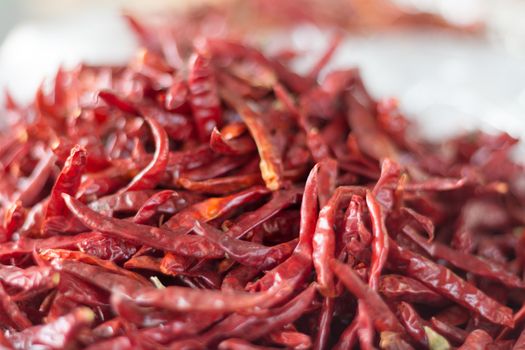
<point>212,198</point>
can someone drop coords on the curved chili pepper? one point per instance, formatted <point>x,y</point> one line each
<point>246,253</point>
<point>233,146</point>
<point>252,327</point>
<point>221,186</point>
<point>150,176</point>
<point>152,236</point>
<point>10,309</point>
<point>398,287</point>
<point>413,323</point>
<point>450,285</point>
<point>68,181</point>
<point>380,241</point>
<point>455,334</point>
<point>478,339</point>
<point>468,262</point>
<point>64,330</point>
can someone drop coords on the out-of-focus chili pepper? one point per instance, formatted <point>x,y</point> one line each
<point>58,334</point>
<point>34,278</point>
<point>14,218</point>
<point>28,194</point>
<point>450,285</point>
<point>225,143</point>
<point>393,341</point>
<point>478,339</point>
<point>374,303</point>
<point>10,309</point>
<point>291,339</point>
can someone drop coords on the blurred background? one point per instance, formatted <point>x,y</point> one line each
<point>453,64</point>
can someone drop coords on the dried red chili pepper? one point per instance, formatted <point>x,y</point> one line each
<point>133,216</point>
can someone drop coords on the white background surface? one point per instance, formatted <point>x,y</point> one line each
<point>449,83</point>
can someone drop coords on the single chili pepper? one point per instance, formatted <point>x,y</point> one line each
<point>14,218</point>
<point>413,323</point>
<point>33,278</point>
<point>280,200</point>
<point>35,183</point>
<point>252,327</point>
<point>325,320</point>
<point>151,236</point>
<point>380,241</point>
<point>67,182</point>
<point>107,248</point>
<point>246,253</point>
<point>221,186</point>
<point>219,167</point>
<point>478,339</point>
<point>270,164</point>
<point>10,309</point>
<point>398,287</point>
<point>204,98</point>
<point>455,334</point>
<point>150,176</point>
<point>324,245</point>
<point>213,208</point>
<point>291,339</point>
<point>150,207</point>
<point>373,302</point>
<point>445,282</point>
<point>241,344</point>
<point>468,262</point>
<point>54,254</point>
<point>233,145</point>
<point>296,268</point>
<point>64,331</point>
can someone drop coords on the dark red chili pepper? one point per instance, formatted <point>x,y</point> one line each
<point>476,340</point>
<point>413,323</point>
<point>450,285</point>
<point>373,302</point>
